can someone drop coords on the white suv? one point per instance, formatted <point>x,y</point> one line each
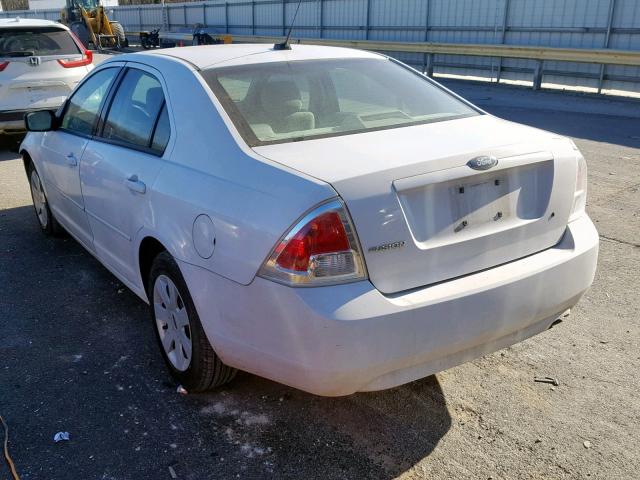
<point>41,62</point>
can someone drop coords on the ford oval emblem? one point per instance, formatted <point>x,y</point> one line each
<point>483,162</point>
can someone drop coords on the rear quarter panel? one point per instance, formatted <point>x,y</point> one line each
<point>250,200</point>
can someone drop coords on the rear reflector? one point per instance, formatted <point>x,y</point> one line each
<point>3,65</point>
<point>580,191</point>
<point>319,249</point>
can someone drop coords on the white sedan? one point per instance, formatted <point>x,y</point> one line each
<point>327,218</point>
<point>41,62</point>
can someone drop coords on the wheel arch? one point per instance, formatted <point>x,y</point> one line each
<point>148,250</point>
<point>26,159</point>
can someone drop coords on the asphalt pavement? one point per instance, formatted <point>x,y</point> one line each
<point>77,354</point>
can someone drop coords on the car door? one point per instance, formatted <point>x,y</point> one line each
<point>62,150</point>
<point>120,165</point>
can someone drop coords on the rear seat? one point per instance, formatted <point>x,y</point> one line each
<point>279,109</point>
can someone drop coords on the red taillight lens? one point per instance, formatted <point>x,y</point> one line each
<point>87,55</point>
<point>87,58</point>
<point>323,234</point>
<point>3,65</point>
<point>319,249</point>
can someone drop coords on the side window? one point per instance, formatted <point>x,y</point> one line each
<point>82,110</point>
<point>134,109</point>
<point>162,132</point>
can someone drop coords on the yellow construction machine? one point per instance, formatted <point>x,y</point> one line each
<point>88,20</point>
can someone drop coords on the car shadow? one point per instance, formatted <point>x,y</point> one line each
<point>9,146</point>
<point>79,354</point>
<point>365,435</point>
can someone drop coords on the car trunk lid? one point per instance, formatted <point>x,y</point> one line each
<point>423,214</point>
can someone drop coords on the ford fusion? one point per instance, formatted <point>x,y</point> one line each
<point>327,218</point>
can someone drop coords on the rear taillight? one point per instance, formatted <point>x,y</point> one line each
<point>87,55</point>
<point>3,65</point>
<point>580,192</point>
<point>320,249</point>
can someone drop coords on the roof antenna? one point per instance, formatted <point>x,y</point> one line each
<point>285,45</point>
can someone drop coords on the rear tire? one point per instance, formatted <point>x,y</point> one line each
<point>46,219</point>
<point>183,343</point>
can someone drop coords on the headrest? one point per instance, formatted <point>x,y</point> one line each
<point>281,97</point>
<point>154,99</point>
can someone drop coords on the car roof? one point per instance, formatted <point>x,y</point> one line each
<point>210,56</point>
<point>29,22</point>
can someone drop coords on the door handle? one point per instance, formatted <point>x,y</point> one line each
<point>136,185</point>
<point>72,161</point>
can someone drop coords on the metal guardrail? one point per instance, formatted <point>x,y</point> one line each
<point>516,24</point>
<point>429,49</point>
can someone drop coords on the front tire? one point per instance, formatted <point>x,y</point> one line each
<point>47,221</point>
<point>185,348</point>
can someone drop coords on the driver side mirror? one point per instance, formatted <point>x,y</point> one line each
<point>40,121</point>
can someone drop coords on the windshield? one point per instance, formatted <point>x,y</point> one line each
<point>30,41</point>
<point>292,101</point>
<point>87,4</point>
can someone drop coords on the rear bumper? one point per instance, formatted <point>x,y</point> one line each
<point>12,121</point>
<point>341,339</point>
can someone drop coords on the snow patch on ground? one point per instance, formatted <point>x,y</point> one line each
<point>240,436</point>
<point>242,417</point>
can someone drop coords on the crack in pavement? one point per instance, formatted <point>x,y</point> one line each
<point>611,239</point>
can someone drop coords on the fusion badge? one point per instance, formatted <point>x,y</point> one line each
<point>387,246</point>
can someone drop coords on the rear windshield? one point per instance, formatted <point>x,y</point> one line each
<point>292,101</point>
<point>29,41</point>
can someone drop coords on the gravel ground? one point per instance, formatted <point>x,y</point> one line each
<point>78,354</point>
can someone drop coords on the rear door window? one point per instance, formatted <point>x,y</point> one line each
<point>134,110</point>
<point>81,112</point>
<point>34,41</point>
<point>162,132</point>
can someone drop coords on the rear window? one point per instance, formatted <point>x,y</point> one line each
<point>39,41</point>
<point>291,101</point>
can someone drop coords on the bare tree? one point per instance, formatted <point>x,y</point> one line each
<point>14,5</point>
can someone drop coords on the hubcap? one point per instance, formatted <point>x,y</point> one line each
<point>39,199</point>
<point>172,322</point>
